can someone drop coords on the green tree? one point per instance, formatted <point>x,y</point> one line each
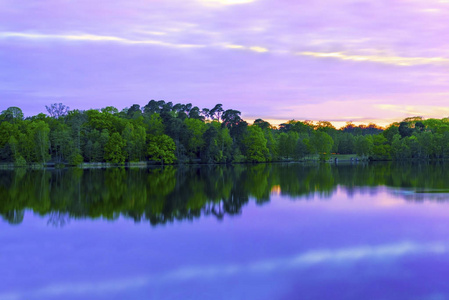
<point>134,137</point>
<point>290,143</point>
<point>27,143</point>
<point>305,128</point>
<point>325,126</point>
<point>426,142</point>
<point>399,149</point>
<point>14,146</point>
<point>196,129</point>
<point>76,120</point>
<point>271,143</point>
<point>445,144</point>
<point>140,139</point>
<point>391,131</point>
<point>405,130</point>
<point>113,150</point>
<point>287,144</point>
<point>41,135</point>
<point>128,138</point>
<point>134,112</point>
<point>100,146</point>
<point>224,142</point>
<point>61,143</point>
<point>8,131</point>
<point>211,152</point>
<point>262,124</point>
<point>363,146</point>
<point>155,125</point>
<point>346,143</point>
<point>311,149</point>
<point>282,144</point>
<point>301,149</point>
<point>323,144</point>
<point>414,146</point>
<point>12,114</point>
<point>255,145</point>
<point>381,148</point>
<point>135,142</point>
<point>161,148</point>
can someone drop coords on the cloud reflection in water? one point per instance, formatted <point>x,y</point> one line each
<point>305,259</point>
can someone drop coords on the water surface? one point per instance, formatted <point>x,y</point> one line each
<point>377,231</point>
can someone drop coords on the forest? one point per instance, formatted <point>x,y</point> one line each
<point>167,133</point>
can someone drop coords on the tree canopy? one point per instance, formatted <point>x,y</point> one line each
<point>165,132</point>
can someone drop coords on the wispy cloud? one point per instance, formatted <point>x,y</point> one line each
<point>108,38</point>
<point>93,38</point>
<point>225,2</point>
<point>250,48</point>
<point>415,110</point>
<point>391,60</point>
<point>258,49</point>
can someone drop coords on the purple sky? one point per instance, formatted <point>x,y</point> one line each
<point>339,60</point>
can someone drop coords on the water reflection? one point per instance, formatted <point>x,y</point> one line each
<point>167,194</point>
<point>220,271</point>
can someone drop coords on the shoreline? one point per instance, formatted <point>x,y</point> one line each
<point>335,160</point>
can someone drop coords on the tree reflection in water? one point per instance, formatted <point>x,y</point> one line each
<point>162,195</point>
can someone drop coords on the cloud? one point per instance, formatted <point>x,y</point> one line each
<point>231,46</point>
<point>212,42</point>
<point>258,49</point>
<point>94,38</point>
<point>251,48</point>
<point>391,60</point>
<point>121,40</point>
<point>415,110</point>
<point>225,2</point>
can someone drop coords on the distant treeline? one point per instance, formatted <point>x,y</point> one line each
<point>168,133</point>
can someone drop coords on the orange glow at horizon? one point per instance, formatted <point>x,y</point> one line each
<point>360,112</point>
<point>336,124</point>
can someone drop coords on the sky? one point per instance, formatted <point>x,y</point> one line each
<point>337,60</point>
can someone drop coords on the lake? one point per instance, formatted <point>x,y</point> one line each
<point>267,231</point>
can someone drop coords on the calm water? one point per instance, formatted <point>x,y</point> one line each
<point>378,231</point>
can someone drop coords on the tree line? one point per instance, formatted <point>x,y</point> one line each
<point>168,133</point>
